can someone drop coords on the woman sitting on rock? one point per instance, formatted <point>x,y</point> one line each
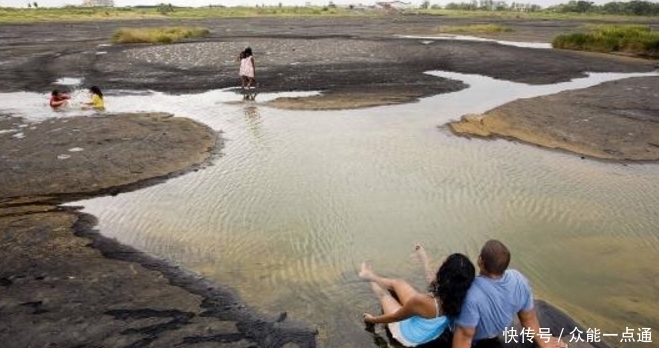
<point>414,317</point>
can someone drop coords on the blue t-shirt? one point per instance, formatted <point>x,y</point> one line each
<point>491,304</point>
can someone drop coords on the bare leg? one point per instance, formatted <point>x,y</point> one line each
<point>388,302</point>
<point>425,261</point>
<point>403,290</point>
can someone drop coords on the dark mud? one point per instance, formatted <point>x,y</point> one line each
<point>337,55</point>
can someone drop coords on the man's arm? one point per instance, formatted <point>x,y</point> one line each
<point>529,320</point>
<point>463,336</point>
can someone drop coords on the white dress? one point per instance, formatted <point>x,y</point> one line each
<point>247,67</point>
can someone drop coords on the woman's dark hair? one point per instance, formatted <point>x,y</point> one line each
<point>451,283</point>
<point>248,52</point>
<point>55,92</point>
<point>96,90</point>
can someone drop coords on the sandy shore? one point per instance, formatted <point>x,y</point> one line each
<point>617,120</point>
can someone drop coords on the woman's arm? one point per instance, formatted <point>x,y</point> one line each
<point>421,254</point>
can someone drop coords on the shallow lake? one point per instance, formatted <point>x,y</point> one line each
<point>299,198</point>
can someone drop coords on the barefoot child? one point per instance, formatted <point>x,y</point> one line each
<point>247,69</point>
<point>97,99</point>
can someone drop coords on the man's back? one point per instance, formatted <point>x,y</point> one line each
<point>491,304</point>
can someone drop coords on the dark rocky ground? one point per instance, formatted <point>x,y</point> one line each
<point>617,120</point>
<point>64,285</point>
<point>340,56</point>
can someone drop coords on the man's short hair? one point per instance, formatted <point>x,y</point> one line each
<point>495,256</point>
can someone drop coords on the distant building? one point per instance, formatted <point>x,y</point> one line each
<point>394,5</point>
<point>98,3</point>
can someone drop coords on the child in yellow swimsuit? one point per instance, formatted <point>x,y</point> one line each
<point>97,98</point>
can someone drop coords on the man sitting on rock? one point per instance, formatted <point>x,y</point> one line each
<point>495,296</point>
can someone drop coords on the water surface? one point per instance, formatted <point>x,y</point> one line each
<point>300,198</point>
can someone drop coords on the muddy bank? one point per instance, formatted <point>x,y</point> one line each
<point>64,285</point>
<point>65,157</point>
<point>617,120</point>
<point>346,58</point>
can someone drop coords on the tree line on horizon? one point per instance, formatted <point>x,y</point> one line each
<point>634,7</point>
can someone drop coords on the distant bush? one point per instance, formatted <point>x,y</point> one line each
<point>475,28</point>
<point>637,40</point>
<point>156,35</point>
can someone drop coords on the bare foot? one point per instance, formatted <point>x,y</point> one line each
<point>366,272</point>
<point>421,253</point>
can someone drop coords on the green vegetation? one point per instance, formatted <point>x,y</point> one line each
<point>277,11</point>
<point>634,10</point>
<point>630,8</point>
<point>156,35</point>
<point>475,28</point>
<point>22,15</point>
<point>637,40</point>
<point>535,15</point>
<point>71,13</point>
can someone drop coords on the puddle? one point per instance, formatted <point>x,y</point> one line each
<point>69,81</point>
<point>300,198</point>
<point>538,45</point>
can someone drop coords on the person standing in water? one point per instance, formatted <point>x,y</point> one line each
<point>247,69</point>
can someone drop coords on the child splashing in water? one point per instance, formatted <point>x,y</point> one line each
<point>97,99</point>
<point>58,99</point>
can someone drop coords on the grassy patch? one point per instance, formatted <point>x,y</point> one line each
<point>632,39</point>
<point>156,35</point>
<point>263,11</point>
<point>23,15</point>
<point>475,28</point>
<point>537,15</point>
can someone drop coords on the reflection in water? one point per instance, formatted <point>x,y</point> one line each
<point>430,39</point>
<point>254,123</point>
<point>287,224</point>
<point>249,94</point>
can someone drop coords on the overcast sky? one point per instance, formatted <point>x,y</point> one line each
<point>44,3</point>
